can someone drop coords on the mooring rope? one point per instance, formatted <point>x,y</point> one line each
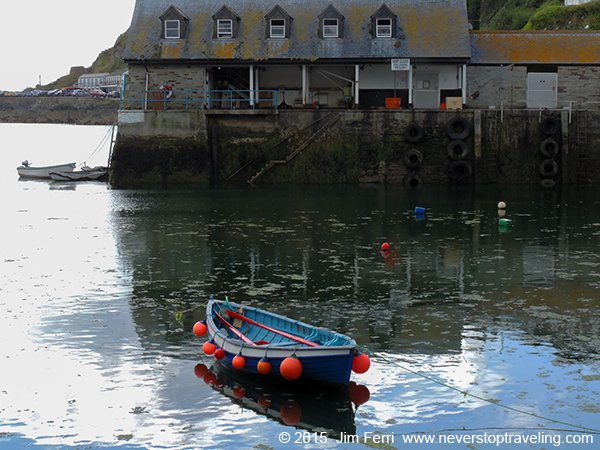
<point>478,397</point>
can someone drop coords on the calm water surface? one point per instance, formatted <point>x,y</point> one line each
<point>472,329</point>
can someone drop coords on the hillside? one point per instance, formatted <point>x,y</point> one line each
<point>107,61</point>
<point>533,15</point>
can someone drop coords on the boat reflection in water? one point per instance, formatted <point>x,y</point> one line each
<point>313,407</point>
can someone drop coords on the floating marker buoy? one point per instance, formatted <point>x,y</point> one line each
<point>209,348</point>
<point>264,401</point>
<point>200,370</point>
<point>501,205</point>
<point>219,353</point>
<point>290,368</point>
<point>263,366</point>
<point>210,378</point>
<point>358,393</point>
<point>200,329</point>
<point>291,413</point>
<point>385,246</point>
<point>238,362</point>
<point>361,363</point>
<point>239,392</point>
<point>505,222</point>
<point>419,210</point>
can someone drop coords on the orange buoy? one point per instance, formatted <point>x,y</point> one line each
<point>219,353</point>
<point>264,401</point>
<point>209,348</point>
<point>200,329</point>
<point>361,363</point>
<point>238,362</point>
<point>385,246</point>
<point>200,370</point>
<point>291,412</point>
<point>290,368</point>
<point>359,394</point>
<point>263,366</point>
<point>238,392</point>
<point>210,378</point>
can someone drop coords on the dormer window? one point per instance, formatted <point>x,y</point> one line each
<point>383,23</point>
<point>224,28</point>
<point>172,29</point>
<point>383,28</point>
<point>331,23</point>
<point>277,29</point>
<point>174,24</point>
<point>331,28</point>
<point>279,23</point>
<point>226,24</point>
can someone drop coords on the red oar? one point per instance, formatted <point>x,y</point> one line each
<point>235,330</point>
<point>273,330</point>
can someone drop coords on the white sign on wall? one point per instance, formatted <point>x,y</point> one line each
<point>400,64</point>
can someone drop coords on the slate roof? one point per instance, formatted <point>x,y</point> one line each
<point>535,47</point>
<point>427,29</point>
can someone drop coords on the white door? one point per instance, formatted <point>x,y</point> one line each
<point>542,90</point>
<point>426,93</point>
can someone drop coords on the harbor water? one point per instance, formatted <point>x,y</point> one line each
<point>478,332</point>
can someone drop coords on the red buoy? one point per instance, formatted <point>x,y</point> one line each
<point>200,329</point>
<point>219,353</point>
<point>291,413</point>
<point>200,370</point>
<point>238,362</point>
<point>210,378</point>
<point>291,368</point>
<point>238,392</point>
<point>358,393</point>
<point>209,348</point>
<point>264,366</point>
<point>361,363</point>
<point>385,246</point>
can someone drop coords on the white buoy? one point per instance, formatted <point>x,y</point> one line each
<point>501,205</point>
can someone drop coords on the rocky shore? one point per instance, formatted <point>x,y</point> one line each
<point>67,110</point>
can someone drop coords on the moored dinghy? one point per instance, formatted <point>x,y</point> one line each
<point>257,341</point>
<point>26,170</point>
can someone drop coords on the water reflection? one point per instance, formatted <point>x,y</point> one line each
<point>91,280</point>
<point>318,408</point>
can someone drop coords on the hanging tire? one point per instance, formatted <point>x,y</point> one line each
<point>412,181</point>
<point>458,150</point>
<point>458,128</point>
<point>547,183</point>
<point>549,148</point>
<point>414,133</point>
<point>413,159</point>
<point>460,171</point>
<point>548,168</point>
<point>549,125</point>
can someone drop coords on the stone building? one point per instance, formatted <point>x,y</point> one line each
<point>540,69</point>
<point>240,54</point>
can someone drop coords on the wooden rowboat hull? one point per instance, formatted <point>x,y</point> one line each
<point>329,362</point>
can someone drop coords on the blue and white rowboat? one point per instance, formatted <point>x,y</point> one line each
<point>256,334</point>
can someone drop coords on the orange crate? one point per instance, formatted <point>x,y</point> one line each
<point>392,102</point>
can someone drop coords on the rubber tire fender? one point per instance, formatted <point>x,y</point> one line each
<point>413,159</point>
<point>458,150</point>
<point>548,168</point>
<point>549,125</point>
<point>458,128</point>
<point>412,181</point>
<point>414,133</point>
<point>460,171</point>
<point>549,148</point>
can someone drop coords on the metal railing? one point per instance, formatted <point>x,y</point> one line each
<point>161,99</point>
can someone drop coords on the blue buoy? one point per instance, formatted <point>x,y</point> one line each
<point>419,210</point>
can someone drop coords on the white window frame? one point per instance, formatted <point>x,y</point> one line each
<point>383,30</point>
<point>331,30</point>
<point>169,27</point>
<point>223,32</point>
<point>273,28</point>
